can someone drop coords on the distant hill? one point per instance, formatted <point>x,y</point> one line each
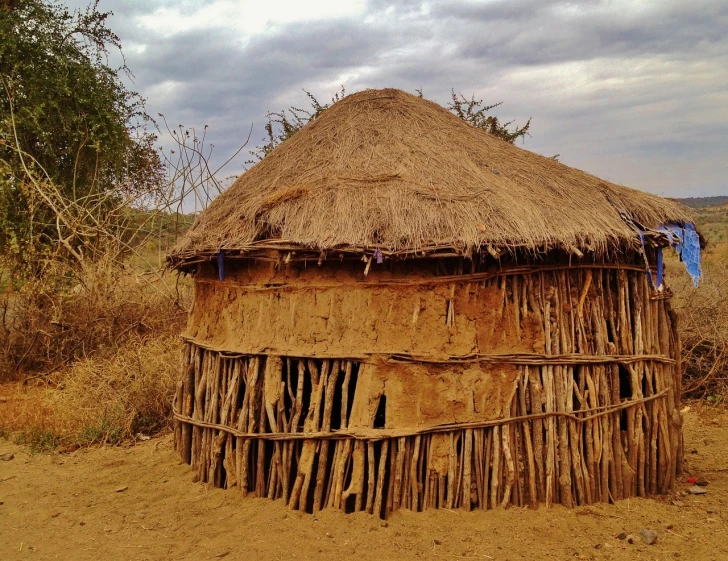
<point>702,202</point>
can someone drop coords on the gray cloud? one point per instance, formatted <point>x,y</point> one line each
<point>634,94</point>
<point>545,32</point>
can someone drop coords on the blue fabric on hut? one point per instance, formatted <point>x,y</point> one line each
<point>687,247</point>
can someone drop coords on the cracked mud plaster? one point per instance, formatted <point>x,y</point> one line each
<point>334,311</point>
<point>425,395</point>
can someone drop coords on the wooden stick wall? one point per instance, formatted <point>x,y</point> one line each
<point>635,451</point>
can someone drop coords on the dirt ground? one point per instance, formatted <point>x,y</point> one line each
<point>140,503</point>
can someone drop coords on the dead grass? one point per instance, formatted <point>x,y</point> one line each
<point>27,415</point>
<point>72,313</point>
<point>703,330</point>
<point>90,355</point>
<point>101,400</point>
<point>122,396</point>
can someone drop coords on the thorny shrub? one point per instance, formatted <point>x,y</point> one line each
<point>703,326</point>
<point>102,341</point>
<point>72,312</point>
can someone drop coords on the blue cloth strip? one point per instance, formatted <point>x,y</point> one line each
<point>220,265</point>
<point>659,267</point>
<point>687,247</point>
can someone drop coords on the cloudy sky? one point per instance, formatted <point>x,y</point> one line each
<point>635,91</point>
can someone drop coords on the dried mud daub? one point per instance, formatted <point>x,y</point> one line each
<point>395,310</point>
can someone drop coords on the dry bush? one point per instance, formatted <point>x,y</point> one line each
<point>703,328</point>
<point>72,313</point>
<point>120,396</point>
<point>28,414</point>
<point>106,399</point>
<point>102,342</point>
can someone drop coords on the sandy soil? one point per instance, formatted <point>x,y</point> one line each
<point>71,506</point>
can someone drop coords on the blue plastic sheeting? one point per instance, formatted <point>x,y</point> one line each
<point>687,247</point>
<point>221,265</point>
<point>659,267</point>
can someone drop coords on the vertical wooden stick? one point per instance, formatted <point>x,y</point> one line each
<point>495,479</point>
<point>325,427</point>
<point>467,462</point>
<point>414,475</point>
<point>371,473</point>
<point>380,478</point>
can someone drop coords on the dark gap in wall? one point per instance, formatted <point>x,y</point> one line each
<point>625,392</point>
<point>268,452</point>
<point>352,388</point>
<point>244,364</point>
<point>625,382</point>
<point>575,403</point>
<point>338,396</point>
<point>623,420</point>
<point>380,416</point>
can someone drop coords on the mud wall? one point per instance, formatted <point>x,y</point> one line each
<point>333,310</point>
<point>440,390</point>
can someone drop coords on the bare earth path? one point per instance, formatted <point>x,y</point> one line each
<point>67,507</point>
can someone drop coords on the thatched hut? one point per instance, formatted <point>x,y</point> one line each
<point>398,310</point>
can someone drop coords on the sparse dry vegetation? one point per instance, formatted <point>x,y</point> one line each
<point>89,319</point>
<point>68,314</point>
<point>104,348</point>
<point>703,328</point>
<point>125,395</point>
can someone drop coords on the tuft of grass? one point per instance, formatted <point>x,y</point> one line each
<point>39,440</point>
<point>104,432</point>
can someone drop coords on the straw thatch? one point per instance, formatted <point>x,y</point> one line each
<point>386,169</point>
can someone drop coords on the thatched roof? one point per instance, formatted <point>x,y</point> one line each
<point>383,169</point>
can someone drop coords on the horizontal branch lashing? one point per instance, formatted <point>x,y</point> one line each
<point>445,279</point>
<point>271,250</point>
<point>380,434</point>
<point>536,359</point>
<point>524,359</point>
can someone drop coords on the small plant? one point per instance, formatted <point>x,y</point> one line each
<point>102,433</point>
<point>474,112</point>
<point>715,399</point>
<point>39,440</point>
<point>283,124</point>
